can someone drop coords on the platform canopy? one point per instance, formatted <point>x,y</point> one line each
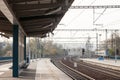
<point>35,17</point>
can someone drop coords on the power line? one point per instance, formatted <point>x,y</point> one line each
<point>99,16</point>
<point>71,37</point>
<point>83,42</point>
<point>78,14</point>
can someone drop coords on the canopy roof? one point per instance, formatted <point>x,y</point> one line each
<point>35,17</point>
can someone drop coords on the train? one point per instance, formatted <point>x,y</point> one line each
<point>101,53</point>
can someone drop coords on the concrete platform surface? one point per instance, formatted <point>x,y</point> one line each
<point>27,74</point>
<point>47,71</point>
<point>41,69</point>
<point>4,68</point>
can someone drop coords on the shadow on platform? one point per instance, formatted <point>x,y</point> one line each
<point>26,74</point>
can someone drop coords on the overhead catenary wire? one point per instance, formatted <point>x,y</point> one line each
<point>86,29</point>
<point>69,23</point>
<point>99,16</point>
<point>95,7</point>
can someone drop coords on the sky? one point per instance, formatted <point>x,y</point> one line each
<point>83,19</point>
<point>79,17</point>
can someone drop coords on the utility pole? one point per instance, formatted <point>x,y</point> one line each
<point>115,47</point>
<point>88,47</point>
<point>29,54</point>
<point>96,43</point>
<point>106,40</point>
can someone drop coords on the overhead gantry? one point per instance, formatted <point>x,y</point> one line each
<point>29,18</point>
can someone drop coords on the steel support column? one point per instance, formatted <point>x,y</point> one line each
<point>25,57</point>
<point>15,50</point>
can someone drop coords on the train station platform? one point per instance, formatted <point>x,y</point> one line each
<point>41,69</point>
<point>4,68</point>
<point>109,63</point>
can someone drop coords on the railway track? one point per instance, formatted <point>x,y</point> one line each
<point>102,69</point>
<point>91,72</point>
<point>74,74</point>
<point>97,72</point>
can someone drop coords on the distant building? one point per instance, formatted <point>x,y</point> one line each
<point>80,52</point>
<point>74,52</point>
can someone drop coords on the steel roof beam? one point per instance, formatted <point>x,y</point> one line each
<point>7,11</point>
<point>3,27</point>
<point>41,17</point>
<point>30,13</point>
<point>34,6</point>
<point>38,32</point>
<point>39,20</point>
<point>38,29</point>
<point>95,7</point>
<point>42,27</point>
<point>22,1</point>
<point>38,12</point>
<point>4,22</point>
<point>35,24</point>
<point>6,31</point>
